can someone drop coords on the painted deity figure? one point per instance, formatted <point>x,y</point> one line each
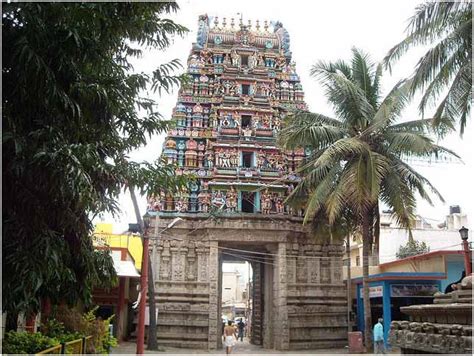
<point>266,202</point>
<point>280,207</point>
<point>276,124</point>
<point>225,159</point>
<point>253,60</point>
<point>218,200</point>
<point>227,84</point>
<point>209,160</point>
<point>247,132</point>
<point>182,204</point>
<point>231,200</point>
<point>203,201</point>
<point>234,158</point>
<point>260,159</point>
<point>235,59</point>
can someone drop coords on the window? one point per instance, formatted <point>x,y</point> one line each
<point>357,261</point>
<point>248,199</point>
<point>245,89</point>
<point>244,60</point>
<point>246,121</point>
<point>247,159</point>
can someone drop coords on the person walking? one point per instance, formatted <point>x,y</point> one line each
<point>379,342</point>
<point>229,337</point>
<point>241,327</point>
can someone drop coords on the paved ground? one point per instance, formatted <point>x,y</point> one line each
<point>241,348</point>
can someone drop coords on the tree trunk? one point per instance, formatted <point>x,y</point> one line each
<point>152,342</point>
<point>349,285</point>
<point>11,323</point>
<point>365,279</point>
<point>376,224</point>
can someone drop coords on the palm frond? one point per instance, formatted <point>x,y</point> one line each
<point>348,99</point>
<point>457,102</point>
<point>307,129</point>
<point>391,107</point>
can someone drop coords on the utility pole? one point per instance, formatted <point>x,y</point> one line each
<point>144,277</point>
<point>349,285</point>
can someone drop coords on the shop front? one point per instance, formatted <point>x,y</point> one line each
<point>390,291</point>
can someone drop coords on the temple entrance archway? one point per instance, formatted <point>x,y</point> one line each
<point>259,288</point>
<point>298,294</point>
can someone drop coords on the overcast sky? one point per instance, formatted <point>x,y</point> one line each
<point>322,30</point>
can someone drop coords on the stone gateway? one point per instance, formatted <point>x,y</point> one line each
<point>227,118</point>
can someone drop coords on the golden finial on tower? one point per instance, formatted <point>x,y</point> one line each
<point>232,23</point>
<point>257,25</point>
<point>224,23</point>
<point>216,22</point>
<point>265,26</point>
<point>249,25</point>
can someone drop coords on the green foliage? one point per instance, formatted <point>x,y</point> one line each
<point>26,343</point>
<point>55,329</point>
<point>412,248</point>
<point>86,324</point>
<point>73,109</point>
<point>358,157</point>
<point>445,26</point>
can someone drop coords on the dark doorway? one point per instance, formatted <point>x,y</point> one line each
<point>248,201</point>
<point>255,307</point>
<point>245,89</point>
<point>247,159</point>
<point>244,60</point>
<point>246,121</point>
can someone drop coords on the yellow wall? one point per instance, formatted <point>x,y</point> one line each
<point>132,243</point>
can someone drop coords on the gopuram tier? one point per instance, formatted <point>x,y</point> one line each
<point>242,84</point>
<point>227,117</point>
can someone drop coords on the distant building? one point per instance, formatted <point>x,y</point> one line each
<point>444,236</point>
<point>234,294</point>
<point>103,236</point>
<point>395,283</point>
<point>126,251</point>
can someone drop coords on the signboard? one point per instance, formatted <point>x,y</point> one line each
<point>413,290</point>
<point>374,292</point>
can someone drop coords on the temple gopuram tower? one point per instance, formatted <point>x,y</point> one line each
<point>227,118</point>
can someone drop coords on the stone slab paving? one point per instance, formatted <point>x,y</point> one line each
<point>241,348</point>
<point>128,348</point>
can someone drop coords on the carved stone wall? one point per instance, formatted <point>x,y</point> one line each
<point>299,297</point>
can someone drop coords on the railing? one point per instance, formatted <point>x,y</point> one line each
<point>78,346</point>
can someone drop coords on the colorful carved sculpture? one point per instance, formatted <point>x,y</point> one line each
<point>242,82</point>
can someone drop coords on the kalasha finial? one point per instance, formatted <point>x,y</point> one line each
<point>224,23</point>
<point>257,25</point>
<point>265,26</point>
<point>250,24</point>
<point>232,23</point>
<point>216,22</point>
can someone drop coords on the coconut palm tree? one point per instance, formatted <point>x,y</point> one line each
<point>358,157</point>
<point>446,68</point>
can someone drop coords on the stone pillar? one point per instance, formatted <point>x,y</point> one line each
<point>213,294</point>
<point>268,313</point>
<point>202,263</point>
<point>281,324</point>
<point>257,306</point>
